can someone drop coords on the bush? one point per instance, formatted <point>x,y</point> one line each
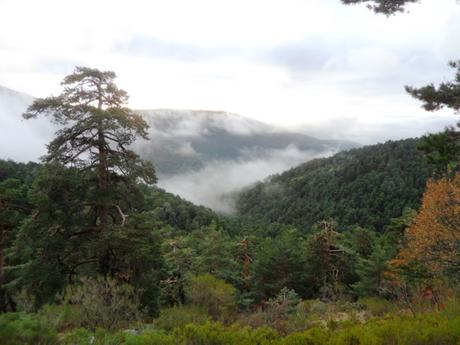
<point>61,317</point>
<point>103,302</point>
<point>377,306</point>
<point>83,336</point>
<point>217,334</point>
<point>215,295</point>
<point>280,308</point>
<point>24,301</point>
<point>314,336</point>
<point>176,317</point>
<point>24,329</point>
<point>151,338</point>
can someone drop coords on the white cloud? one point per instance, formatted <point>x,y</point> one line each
<point>212,185</point>
<point>331,61</point>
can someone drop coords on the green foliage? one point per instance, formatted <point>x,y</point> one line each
<point>52,237</point>
<point>87,199</point>
<point>25,172</point>
<point>214,295</point>
<point>62,317</point>
<point>170,210</point>
<point>280,262</point>
<point>131,251</point>
<point>103,302</point>
<point>279,308</point>
<point>216,334</point>
<point>367,187</point>
<point>23,329</point>
<point>427,329</point>
<point>179,316</point>
<point>371,271</point>
<point>14,208</point>
<point>135,257</point>
<point>83,336</point>
<point>331,261</point>
<point>377,306</point>
<point>442,149</point>
<point>15,181</point>
<point>151,338</point>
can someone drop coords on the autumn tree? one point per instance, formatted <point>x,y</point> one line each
<point>433,241</point>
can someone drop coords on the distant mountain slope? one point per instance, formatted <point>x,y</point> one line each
<point>206,155</point>
<point>199,155</point>
<point>19,139</point>
<point>366,186</point>
<point>188,140</point>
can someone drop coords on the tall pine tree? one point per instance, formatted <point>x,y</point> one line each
<point>88,216</point>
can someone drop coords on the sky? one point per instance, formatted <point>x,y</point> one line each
<point>329,69</point>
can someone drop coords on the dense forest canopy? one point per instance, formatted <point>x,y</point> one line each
<point>362,187</point>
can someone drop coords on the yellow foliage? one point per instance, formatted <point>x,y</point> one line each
<point>433,239</point>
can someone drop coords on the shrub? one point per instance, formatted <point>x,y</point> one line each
<point>314,336</point>
<point>83,336</point>
<point>24,329</point>
<point>217,334</point>
<point>280,308</point>
<point>215,295</point>
<point>377,306</point>
<point>24,301</point>
<point>180,316</point>
<point>103,302</point>
<point>61,317</point>
<point>151,338</point>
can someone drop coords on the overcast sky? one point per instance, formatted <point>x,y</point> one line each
<point>310,63</point>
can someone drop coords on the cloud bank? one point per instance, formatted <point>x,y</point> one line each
<point>213,185</point>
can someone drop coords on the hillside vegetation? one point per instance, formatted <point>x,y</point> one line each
<point>366,186</point>
<point>359,248</point>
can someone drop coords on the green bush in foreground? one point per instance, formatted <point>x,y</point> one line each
<point>103,302</point>
<point>180,316</point>
<point>214,295</point>
<point>428,329</point>
<point>24,329</point>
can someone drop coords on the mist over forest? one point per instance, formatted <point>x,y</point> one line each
<point>199,172</point>
<point>195,150</point>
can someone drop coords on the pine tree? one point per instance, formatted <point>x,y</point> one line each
<point>88,203</point>
<point>97,131</point>
<point>371,271</point>
<point>442,149</point>
<point>331,260</point>
<point>14,208</point>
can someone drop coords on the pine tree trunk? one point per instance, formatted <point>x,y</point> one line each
<point>103,181</point>
<point>103,177</point>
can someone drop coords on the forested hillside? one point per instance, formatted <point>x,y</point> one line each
<point>189,140</point>
<point>191,147</point>
<point>366,187</point>
<point>358,248</point>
